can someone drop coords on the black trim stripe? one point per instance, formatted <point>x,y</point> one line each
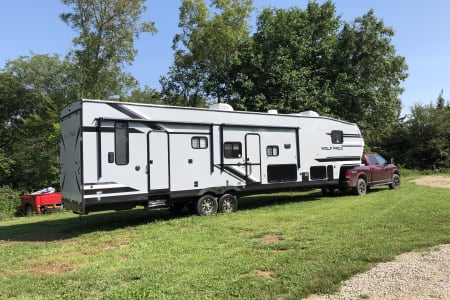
<point>222,168</point>
<point>115,190</point>
<point>338,158</point>
<point>125,111</point>
<point>349,135</point>
<point>107,129</point>
<point>235,173</point>
<point>99,149</point>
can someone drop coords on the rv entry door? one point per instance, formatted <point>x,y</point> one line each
<point>253,157</point>
<point>158,161</point>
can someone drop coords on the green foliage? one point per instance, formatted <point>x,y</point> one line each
<point>317,242</point>
<point>207,50</point>
<point>290,56</point>
<point>423,140</point>
<point>46,75</point>
<point>107,30</point>
<point>148,95</point>
<point>366,77</point>
<point>9,202</point>
<point>33,90</point>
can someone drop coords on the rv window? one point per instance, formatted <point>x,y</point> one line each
<point>232,150</point>
<point>272,151</point>
<point>121,143</point>
<point>337,137</point>
<point>199,142</point>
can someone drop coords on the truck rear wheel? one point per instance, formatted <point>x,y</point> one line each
<point>361,187</point>
<point>228,203</point>
<point>206,205</point>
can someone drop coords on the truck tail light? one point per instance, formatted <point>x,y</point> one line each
<point>348,174</point>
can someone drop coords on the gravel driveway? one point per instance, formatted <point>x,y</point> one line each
<point>412,275</point>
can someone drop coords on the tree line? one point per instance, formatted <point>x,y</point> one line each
<point>294,59</point>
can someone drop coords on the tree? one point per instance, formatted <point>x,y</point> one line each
<point>33,90</point>
<point>46,75</point>
<point>366,77</point>
<point>423,139</point>
<point>107,30</point>
<point>16,103</point>
<point>290,57</point>
<point>440,100</point>
<point>148,95</point>
<point>207,49</point>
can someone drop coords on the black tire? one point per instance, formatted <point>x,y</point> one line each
<point>206,205</point>
<point>177,207</point>
<point>361,187</point>
<point>395,182</point>
<point>228,203</point>
<point>28,210</point>
<point>328,191</point>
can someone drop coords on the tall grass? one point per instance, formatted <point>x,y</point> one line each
<point>282,246</point>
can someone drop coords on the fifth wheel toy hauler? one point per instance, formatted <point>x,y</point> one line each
<point>117,155</point>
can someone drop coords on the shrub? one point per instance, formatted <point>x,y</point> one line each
<point>9,202</point>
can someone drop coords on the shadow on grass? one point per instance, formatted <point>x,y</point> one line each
<point>72,225</point>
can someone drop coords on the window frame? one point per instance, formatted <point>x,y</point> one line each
<point>121,140</point>
<point>199,143</point>
<point>232,153</point>
<point>270,150</point>
<point>337,137</point>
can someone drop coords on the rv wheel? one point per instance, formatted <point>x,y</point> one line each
<point>228,203</point>
<point>206,205</point>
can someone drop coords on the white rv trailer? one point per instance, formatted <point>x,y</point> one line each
<point>117,155</point>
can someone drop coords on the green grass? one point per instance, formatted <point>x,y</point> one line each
<point>279,246</point>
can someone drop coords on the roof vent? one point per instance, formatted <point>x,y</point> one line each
<point>221,106</point>
<point>309,113</point>
<point>272,111</point>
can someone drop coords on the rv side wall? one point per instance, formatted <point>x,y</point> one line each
<point>71,158</point>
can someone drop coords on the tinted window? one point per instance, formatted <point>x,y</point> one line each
<point>232,150</point>
<point>199,142</point>
<point>372,160</point>
<point>272,151</point>
<point>121,143</point>
<point>337,137</point>
<point>380,159</point>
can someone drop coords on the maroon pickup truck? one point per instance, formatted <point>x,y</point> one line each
<point>374,170</point>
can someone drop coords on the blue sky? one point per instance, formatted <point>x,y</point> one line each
<point>422,35</point>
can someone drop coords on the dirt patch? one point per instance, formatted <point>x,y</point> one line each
<point>270,239</point>
<point>265,274</point>
<point>51,268</point>
<point>45,268</point>
<point>433,181</point>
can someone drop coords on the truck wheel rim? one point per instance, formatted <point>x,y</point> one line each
<point>362,187</point>
<point>396,181</point>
